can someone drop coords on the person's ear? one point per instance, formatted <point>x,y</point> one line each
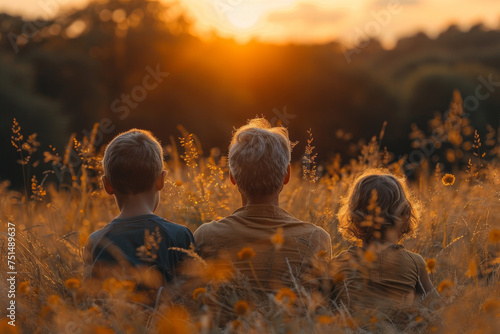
<point>232,178</point>
<point>287,176</point>
<point>108,188</point>
<point>160,182</point>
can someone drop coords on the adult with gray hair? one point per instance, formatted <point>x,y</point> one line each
<point>263,241</point>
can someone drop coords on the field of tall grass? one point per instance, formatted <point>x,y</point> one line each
<point>459,236</point>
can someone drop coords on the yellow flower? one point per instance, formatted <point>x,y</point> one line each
<point>176,321</point>
<point>448,179</point>
<point>325,319</point>
<point>286,296</point>
<point>128,285</point>
<point>72,283</point>
<point>236,324</point>
<point>241,308</point>
<point>494,236</point>
<point>54,300</point>
<point>445,285</point>
<point>24,287</point>
<point>277,239</point>
<point>370,256</point>
<point>246,253</point>
<point>430,265</point>
<point>218,271</point>
<point>199,292</point>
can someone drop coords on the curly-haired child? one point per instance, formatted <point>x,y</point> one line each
<point>379,273</point>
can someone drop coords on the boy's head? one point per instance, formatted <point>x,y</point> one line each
<point>259,156</point>
<point>376,201</point>
<point>133,162</point>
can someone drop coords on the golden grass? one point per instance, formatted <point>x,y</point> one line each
<point>459,236</point>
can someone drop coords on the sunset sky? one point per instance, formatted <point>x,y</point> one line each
<point>311,21</point>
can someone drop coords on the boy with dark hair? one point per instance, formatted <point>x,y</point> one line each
<point>136,244</point>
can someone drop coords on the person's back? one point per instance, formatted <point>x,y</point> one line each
<point>266,244</point>
<point>135,246</point>
<point>380,275</point>
<point>388,278</point>
<point>275,243</point>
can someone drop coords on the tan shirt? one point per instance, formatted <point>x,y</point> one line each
<point>253,226</point>
<point>387,279</point>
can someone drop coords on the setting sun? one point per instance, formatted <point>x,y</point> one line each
<point>245,16</point>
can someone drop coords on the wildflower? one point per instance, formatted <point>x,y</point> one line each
<point>111,284</point>
<point>127,285</point>
<point>494,236</point>
<point>286,296</point>
<point>53,300</point>
<point>72,283</point>
<point>24,287</point>
<point>430,265</point>
<point>277,238</point>
<point>448,179</point>
<point>236,324</point>
<point>325,319</point>
<point>246,253</point>
<point>218,271</point>
<point>241,308</point>
<point>370,256</point>
<point>199,292</point>
<point>176,321</point>
<point>445,285</point>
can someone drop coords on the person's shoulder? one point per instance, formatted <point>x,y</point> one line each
<point>98,234</point>
<point>209,227</point>
<point>318,231</point>
<point>417,258</point>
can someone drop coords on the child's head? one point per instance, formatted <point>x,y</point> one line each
<point>375,202</point>
<point>133,162</point>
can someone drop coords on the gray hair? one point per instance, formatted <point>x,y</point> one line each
<point>259,156</point>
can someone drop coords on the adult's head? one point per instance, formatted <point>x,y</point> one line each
<point>259,158</point>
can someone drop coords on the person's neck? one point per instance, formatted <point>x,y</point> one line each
<point>263,200</point>
<point>132,205</point>
<point>391,236</point>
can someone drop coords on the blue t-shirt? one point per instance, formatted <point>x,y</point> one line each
<point>140,242</point>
